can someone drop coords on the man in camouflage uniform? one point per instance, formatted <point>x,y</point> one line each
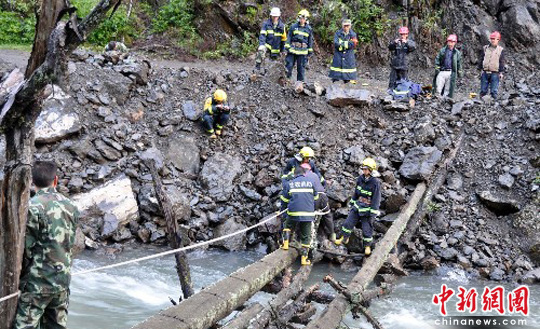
<point>46,270</point>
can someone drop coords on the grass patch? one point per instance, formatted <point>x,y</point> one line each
<point>11,46</point>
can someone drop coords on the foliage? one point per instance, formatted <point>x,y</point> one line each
<point>433,207</point>
<point>16,30</point>
<point>367,17</point>
<point>177,15</point>
<point>238,47</point>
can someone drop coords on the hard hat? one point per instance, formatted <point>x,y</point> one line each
<point>307,152</point>
<point>303,13</point>
<point>403,30</point>
<point>275,12</point>
<point>452,37</point>
<point>495,35</point>
<point>369,163</point>
<point>346,22</point>
<point>220,95</point>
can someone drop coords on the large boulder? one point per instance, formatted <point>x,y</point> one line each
<point>57,119</point>
<point>236,242</point>
<point>354,154</point>
<point>527,222</point>
<point>498,204</point>
<point>184,154</point>
<point>191,111</point>
<point>218,174</point>
<point>179,202</point>
<point>113,201</point>
<point>341,97</point>
<point>419,163</point>
<point>521,17</point>
<point>138,71</point>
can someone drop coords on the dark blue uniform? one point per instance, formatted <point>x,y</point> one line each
<point>365,206</point>
<point>399,65</point>
<point>214,116</point>
<point>273,37</point>
<point>344,61</point>
<point>299,46</point>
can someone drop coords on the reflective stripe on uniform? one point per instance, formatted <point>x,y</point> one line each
<point>337,69</point>
<point>298,52</point>
<point>263,32</point>
<point>306,245</point>
<point>398,92</point>
<point>300,213</point>
<point>364,191</point>
<point>300,190</point>
<point>316,197</point>
<point>368,239</point>
<point>358,207</point>
<point>284,198</point>
<point>305,34</point>
<point>346,230</point>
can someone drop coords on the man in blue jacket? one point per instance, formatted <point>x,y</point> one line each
<point>344,61</point>
<point>298,197</point>
<point>299,46</point>
<point>272,38</point>
<point>365,206</point>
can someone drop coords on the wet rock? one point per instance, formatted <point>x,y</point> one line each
<point>429,263</point>
<point>419,163</point>
<point>341,97</point>
<point>184,154</point>
<point>498,204</point>
<point>123,234</point>
<point>497,274</point>
<point>448,253</point>
<point>354,154</point>
<point>234,243</point>
<point>191,111</point>
<point>218,174</point>
<point>57,119</point>
<point>144,234</point>
<point>506,180</point>
<point>531,277</point>
<point>79,241</point>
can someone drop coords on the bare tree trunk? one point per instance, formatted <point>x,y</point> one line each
<point>17,118</point>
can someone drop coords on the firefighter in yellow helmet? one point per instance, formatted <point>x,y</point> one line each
<point>365,206</point>
<point>216,113</point>
<point>305,155</point>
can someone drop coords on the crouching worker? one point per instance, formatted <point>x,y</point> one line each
<point>216,113</point>
<point>365,206</point>
<point>298,197</point>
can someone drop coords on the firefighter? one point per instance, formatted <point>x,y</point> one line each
<point>344,61</point>
<point>400,48</point>
<point>365,206</point>
<point>299,196</point>
<point>272,38</point>
<point>305,155</point>
<point>216,113</point>
<point>299,46</point>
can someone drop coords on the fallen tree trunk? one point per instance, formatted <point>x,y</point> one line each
<point>335,311</point>
<point>175,240</point>
<point>208,306</point>
<point>290,310</point>
<point>242,320</point>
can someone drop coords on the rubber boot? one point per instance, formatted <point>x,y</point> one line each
<point>304,261</point>
<point>218,132</point>
<point>286,236</point>
<point>367,251</point>
<point>342,240</point>
<point>333,237</point>
<point>353,82</point>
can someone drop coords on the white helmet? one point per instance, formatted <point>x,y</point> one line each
<point>275,12</point>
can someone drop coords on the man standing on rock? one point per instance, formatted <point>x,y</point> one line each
<point>299,196</point>
<point>216,113</point>
<point>46,270</point>
<point>344,61</point>
<point>365,206</point>
<point>399,49</point>
<point>272,38</point>
<point>447,68</point>
<point>299,46</point>
<point>492,64</point>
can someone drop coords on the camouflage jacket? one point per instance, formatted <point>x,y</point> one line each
<point>50,235</point>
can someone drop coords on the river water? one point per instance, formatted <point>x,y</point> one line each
<point>122,297</point>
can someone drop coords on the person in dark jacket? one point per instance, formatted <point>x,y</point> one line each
<point>298,197</point>
<point>448,68</point>
<point>344,61</point>
<point>305,155</point>
<point>216,113</point>
<point>365,206</point>
<point>272,38</point>
<point>492,64</point>
<point>299,46</point>
<point>399,49</point>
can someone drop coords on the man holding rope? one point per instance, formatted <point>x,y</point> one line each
<point>46,270</point>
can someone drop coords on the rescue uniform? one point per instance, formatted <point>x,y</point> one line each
<point>299,46</point>
<point>448,66</point>
<point>399,64</point>
<point>492,64</point>
<point>46,270</point>
<point>344,61</point>
<point>365,206</point>
<point>273,37</point>
<point>213,116</point>
<point>298,197</point>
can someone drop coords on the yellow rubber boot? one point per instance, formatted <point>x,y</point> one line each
<point>218,132</point>
<point>342,240</point>
<point>305,261</point>
<point>286,237</point>
<point>353,82</point>
<point>367,251</point>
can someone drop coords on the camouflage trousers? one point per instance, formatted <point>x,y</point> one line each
<point>42,311</point>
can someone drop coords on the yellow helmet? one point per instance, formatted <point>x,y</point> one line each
<point>220,95</point>
<point>369,163</point>
<point>303,13</point>
<point>307,152</point>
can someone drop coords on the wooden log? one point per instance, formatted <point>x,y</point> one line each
<point>175,239</point>
<point>333,314</point>
<point>321,297</point>
<point>304,316</point>
<point>242,319</point>
<point>288,311</point>
<point>208,306</point>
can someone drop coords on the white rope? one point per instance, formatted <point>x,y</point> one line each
<point>169,252</point>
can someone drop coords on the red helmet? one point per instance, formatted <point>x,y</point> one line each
<point>452,37</point>
<point>495,35</point>
<point>403,30</point>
